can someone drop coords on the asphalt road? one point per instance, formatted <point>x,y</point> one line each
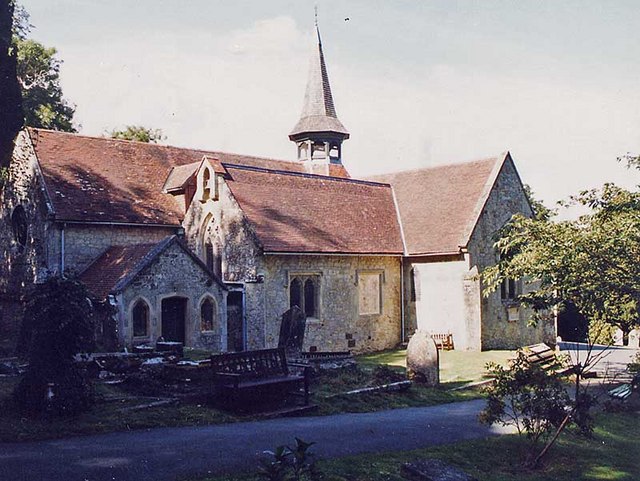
<point>173,453</point>
<point>607,361</point>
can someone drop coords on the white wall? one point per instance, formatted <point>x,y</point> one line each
<point>440,300</point>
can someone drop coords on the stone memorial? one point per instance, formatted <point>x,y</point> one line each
<point>423,362</point>
<point>634,338</point>
<point>292,330</point>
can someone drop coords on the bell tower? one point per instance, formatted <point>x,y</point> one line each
<point>318,134</point>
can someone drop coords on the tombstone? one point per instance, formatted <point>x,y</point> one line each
<point>618,337</point>
<point>292,330</point>
<point>423,362</point>
<point>634,338</point>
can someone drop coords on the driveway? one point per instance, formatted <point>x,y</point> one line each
<point>171,453</point>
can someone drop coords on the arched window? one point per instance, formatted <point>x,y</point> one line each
<point>304,293</point>
<point>19,225</point>
<point>295,293</point>
<point>140,319</point>
<point>208,315</point>
<point>309,298</point>
<point>208,255</point>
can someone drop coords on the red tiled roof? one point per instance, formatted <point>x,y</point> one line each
<point>308,213</point>
<point>113,270</point>
<point>114,265</point>
<point>439,206</point>
<point>101,179</point>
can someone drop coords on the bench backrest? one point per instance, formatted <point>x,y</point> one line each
<point>255,364</point>
<point>542,355</point>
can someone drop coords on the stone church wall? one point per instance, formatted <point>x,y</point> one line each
<point>506,199</point>
<point>21,265</point>
<point>174,273</point>
<point>338,325</point>
<point>83,243</point>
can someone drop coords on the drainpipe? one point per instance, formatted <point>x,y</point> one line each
<point>62,250</point>
<point>402,335</point>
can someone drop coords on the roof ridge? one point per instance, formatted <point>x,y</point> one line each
<point>305,175</point>
<point>440,166</point>
<point>205,151</point>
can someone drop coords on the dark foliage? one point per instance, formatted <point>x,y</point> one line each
<point>58,324</point>
<point>10,100</point>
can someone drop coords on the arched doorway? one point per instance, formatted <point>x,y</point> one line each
<point>174,311</point>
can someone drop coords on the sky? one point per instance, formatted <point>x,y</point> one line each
<point>417,83</point>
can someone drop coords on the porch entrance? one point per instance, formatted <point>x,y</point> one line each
<point>174,310</point>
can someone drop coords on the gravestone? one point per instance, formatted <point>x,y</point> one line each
<point>433,470</point>
<point>634,338</point>
<point>618,337</point>
<point>292,330</point>
<point>423,362</point>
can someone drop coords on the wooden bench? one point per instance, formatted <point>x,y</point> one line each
<point>546,358</point>
<point>443,341</point>
<point>256,376</point>
<point>622,392</point>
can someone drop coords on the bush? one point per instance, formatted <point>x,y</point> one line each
<point>527,397</point>
<point>58,324</point>
<point>290,463</point>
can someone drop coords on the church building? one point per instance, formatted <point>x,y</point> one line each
<point>211,248</point>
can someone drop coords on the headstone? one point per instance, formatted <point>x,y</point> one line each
<point>292,330</point>
<point>618,337</point>
<point>634,338</point>
<point>423,362</point>
<point>433,470</point>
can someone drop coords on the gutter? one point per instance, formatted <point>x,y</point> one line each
<point>112,223</point>
<point>346,254</point>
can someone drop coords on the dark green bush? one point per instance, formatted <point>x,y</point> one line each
<point>58,324</point>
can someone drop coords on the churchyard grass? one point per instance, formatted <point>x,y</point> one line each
<point>455,366</point>
<point>328,394</point>
<point>612,454</point>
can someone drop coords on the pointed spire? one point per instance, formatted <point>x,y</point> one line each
<point>318,111</point>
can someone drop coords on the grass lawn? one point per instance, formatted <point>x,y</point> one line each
<point>455,366</point>
<point>613,454</point>
<point>328,394</point>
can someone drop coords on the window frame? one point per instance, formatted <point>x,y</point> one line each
<point>303,278</point>
<point>137,302</point>
<point>215,317</point>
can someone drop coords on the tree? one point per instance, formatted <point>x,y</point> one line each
<point>38,73</point>
<point>58,323</point>
<point>138,133</point>
<point>592,262</point>
<point>10,100</point>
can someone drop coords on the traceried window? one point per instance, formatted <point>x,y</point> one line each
<point>304,293</point>
<point>369,293</point>
<point>19,225</point>
<point>140,319</point>
<point>208,315</point>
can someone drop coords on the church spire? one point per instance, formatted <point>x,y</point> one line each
<point>319,134</point>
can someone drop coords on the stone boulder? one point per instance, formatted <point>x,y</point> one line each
<point>433,470</point>
<point>423,362</point>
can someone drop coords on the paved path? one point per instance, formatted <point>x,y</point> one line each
<point>611,360</point>
<point>171,453</point>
